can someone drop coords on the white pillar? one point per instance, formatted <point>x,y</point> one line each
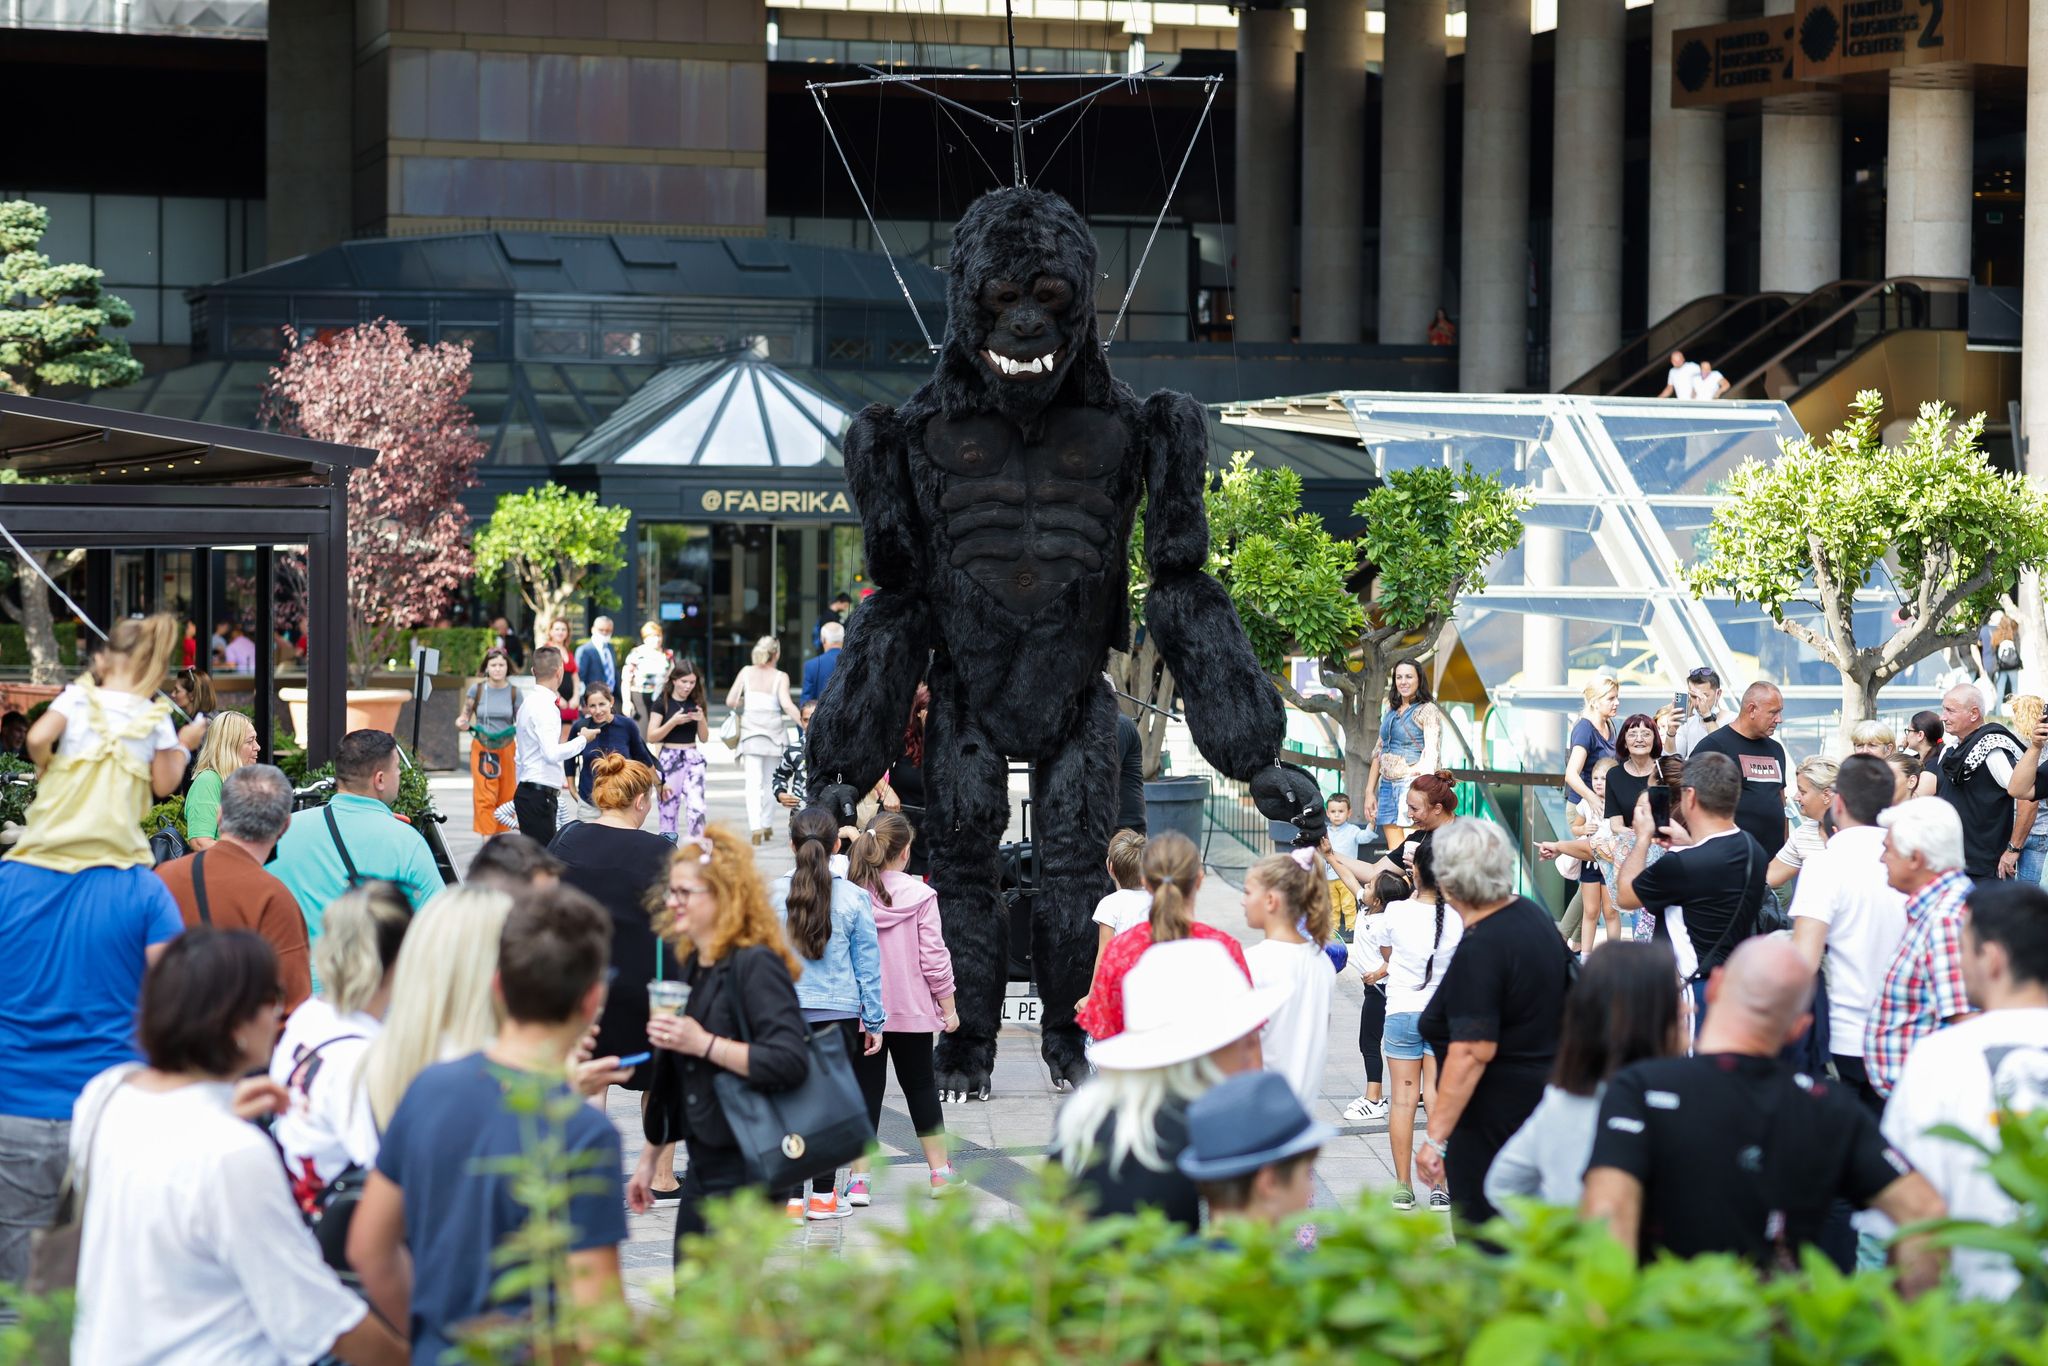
<point>2033,433</point>
<point>1801,233</point>
<point>1687,163</point>
<point>1332,172</point>
<point>1493,294</point>
<point>1927,182</point>
<point>1411,170</point>
<point>1262,285</point>
<point>1543,638</point>
<point>1585,214</point>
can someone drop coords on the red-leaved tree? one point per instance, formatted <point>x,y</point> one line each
<point>408,536</point>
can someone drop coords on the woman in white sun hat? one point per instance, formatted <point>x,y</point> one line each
<point>1190,1020</point>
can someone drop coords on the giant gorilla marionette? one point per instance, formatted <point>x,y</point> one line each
<point>997,504</point>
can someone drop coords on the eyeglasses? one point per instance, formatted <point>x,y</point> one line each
<point>680,895</point>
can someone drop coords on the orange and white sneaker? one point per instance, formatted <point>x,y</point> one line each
<point>827,1206</point>
<point>796,1211</point>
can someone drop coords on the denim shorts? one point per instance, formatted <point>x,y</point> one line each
<point>1402,1039</point>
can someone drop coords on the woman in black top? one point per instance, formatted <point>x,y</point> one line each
<point>903,788</point>
<point>1642,749</point>
<point>731,951</point>
<point>1495,1021</point>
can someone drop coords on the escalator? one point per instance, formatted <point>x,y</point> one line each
<point>1776,346</point>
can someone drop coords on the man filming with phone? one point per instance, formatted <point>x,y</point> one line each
<point>1713,872</point>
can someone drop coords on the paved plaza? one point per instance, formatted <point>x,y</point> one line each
<point>996,1142</point>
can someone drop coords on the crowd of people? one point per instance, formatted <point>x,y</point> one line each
<point>282,1082</point>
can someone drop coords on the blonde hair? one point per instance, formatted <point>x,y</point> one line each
<point>766,648</point>
<point>348,958</point>
<point>145,646</point>
<point>743,919</point>
<point>1305,890</point>
<point>618,782</point>
<point>650,630</point>
<point>1172,866</point>
<point>1127,859</point>
<point>1133,1100</point>
<point>1601,766</point>
<point>441,999</point>
<point>2026,714</point>
<point>221,751</point>
<point>1601,685</point>
<point>1819,772</point>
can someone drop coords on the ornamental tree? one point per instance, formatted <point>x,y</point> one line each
<point>1813,526</point>
<point>407,531</point>
<point>556,546</point>
<point>1429,535</point>
<point>53,320</point>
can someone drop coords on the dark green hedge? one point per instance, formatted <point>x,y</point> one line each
<point>14,644</point>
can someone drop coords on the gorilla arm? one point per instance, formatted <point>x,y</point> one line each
<point>1234,712</point>
<point>857,732</point>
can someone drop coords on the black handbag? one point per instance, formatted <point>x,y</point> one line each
<point>810,1130</point>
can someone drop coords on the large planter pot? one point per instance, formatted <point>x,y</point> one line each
<point>1176,804</point>
<point>368,709</point>
<point>22,696</point>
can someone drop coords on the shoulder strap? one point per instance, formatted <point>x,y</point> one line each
<point>291,1079</point>
<point>355,879</point>
<point>1741,899</point>
<point>199,887</point>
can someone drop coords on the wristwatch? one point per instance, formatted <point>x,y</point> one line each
<point>2015,848</point>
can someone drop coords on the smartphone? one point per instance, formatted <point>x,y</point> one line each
<point>1660,805</point>
<point>634,1059</point>
<point>1679,700</point>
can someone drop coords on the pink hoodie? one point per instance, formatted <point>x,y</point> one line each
<point>917,971</point>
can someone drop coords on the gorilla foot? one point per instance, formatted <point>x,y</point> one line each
<point>1064,1051</point>
<point>963,1067</point>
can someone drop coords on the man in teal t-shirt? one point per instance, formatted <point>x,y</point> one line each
<point>356,828</point>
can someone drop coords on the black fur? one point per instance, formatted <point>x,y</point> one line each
<point>998,513</point>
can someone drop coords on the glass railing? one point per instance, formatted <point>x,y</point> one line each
<point>1833,323</point>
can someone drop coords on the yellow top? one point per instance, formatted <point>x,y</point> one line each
<point>89,805</point>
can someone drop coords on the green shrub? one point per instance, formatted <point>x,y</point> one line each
<point>166,814</point>
<point>414,797</point>
<point>462,648</point>
<point>15,797</point>
<point>14,644</point>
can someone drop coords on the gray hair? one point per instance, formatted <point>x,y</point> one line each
<point>1927,826</point>
<point>255,803</point>
<point>832,633</point>
<point>1473,861</point>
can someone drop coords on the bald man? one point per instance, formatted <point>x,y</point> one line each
<point>1761,760</point>
<point>1732,1151</point>
<point>1978,760</point>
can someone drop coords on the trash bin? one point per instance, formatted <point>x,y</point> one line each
<point>1176,804</point>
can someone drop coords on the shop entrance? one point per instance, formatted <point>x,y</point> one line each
<point>717,587</point>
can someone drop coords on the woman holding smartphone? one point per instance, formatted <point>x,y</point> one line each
<point>676,726</point>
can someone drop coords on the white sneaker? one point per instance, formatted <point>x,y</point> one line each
<point>1363,1108</point>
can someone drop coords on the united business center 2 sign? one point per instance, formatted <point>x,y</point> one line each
<point>1825,41</point>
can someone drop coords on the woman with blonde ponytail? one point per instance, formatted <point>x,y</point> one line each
<point>1173,874</point>
<point>917,993</point>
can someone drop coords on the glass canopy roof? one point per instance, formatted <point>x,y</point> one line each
<point>1624,490</point>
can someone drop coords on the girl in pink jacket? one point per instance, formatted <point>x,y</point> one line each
<point>917,992</point>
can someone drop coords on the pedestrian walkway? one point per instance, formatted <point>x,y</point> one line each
<point>998,1142</point>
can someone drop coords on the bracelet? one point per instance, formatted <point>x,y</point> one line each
<point>1443,1149</point>
<point>2015,848</point>
<point>708,1046</point>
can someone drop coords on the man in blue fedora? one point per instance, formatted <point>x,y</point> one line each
<point>1252,1149</point>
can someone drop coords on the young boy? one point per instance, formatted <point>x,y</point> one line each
<point>1252,1149</point>
<point>1342,836</point>
<point>1343,831</point>
<point>432,1213</point>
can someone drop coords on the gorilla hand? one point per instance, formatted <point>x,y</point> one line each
<point>838,798</point>
<point>1286,792</point>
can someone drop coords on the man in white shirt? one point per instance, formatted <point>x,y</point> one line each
<point>538,753</point>
<point>1846,906</point>
<point>1679,381</point>
<point>1965,1074</point>
<point>1702,709</point>
<point>1708,383</point>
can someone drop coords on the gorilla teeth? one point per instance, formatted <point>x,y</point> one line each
<point>1037,365</point>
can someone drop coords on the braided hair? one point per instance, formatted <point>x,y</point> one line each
<point>1425,876</point>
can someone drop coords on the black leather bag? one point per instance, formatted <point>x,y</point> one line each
<point>812,1129</point>
<point>167,844</point>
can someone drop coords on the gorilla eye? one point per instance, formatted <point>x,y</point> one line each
<point>1006,297</point>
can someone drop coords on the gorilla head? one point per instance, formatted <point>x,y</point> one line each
<point>1020,327</point>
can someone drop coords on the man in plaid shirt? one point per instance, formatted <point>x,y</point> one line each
<point>1923,990</point>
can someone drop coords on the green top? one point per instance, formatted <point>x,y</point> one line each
<point>202,806</point>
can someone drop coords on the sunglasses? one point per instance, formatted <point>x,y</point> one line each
<point>1704,676</point>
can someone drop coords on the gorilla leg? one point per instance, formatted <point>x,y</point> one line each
<point>967,807</point>
<point>1076,803</point>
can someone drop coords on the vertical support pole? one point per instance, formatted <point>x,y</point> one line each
<point>202,603</point>
<point>265,700</point>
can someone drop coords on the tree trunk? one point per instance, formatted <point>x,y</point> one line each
<point>2033,624</point>
<point>1859,702</point>
<point>1363,695</point>
<point>45,662</point>
<point>1143,674</point>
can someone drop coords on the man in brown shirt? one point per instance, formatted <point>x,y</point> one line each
<point>255,808</point>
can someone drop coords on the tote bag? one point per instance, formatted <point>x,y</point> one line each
<point>809,1130</point>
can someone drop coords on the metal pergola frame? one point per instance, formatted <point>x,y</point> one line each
<point>113,479</point>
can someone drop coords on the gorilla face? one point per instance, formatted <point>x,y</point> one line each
<point>1027,341</point>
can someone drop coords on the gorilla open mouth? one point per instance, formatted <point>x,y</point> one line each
<point>1033,367</point>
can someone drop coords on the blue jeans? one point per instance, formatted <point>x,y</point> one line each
<point>2034,859</point>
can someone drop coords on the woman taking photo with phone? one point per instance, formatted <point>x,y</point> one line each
<point>676,726</point>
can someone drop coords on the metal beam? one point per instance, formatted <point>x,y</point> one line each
<point>265,699</point>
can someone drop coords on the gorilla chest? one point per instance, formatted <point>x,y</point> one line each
<point>1026,520</point>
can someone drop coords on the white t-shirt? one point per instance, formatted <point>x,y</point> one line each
<point>1844,888</point>
<point>329,1126</point>
<point>1123,908</point>
<point>1706,384</point>
<point>79,735</point>
<point>1409,929</point>
<point>1804,845</point>
<point>1958,1075</point>
<point>1297,1037</point>
<point>1682,378</point>
<point>192,1248</point>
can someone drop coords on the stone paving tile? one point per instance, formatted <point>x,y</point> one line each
<point>1010,1130</point>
